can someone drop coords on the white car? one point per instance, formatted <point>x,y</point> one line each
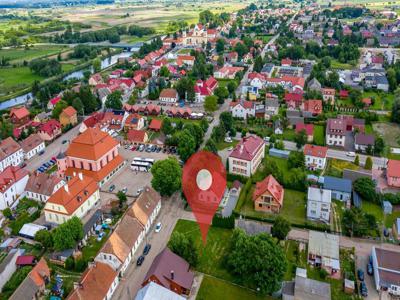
<point>351,154</point>
<point>158,227</point>
<point>228,140</point>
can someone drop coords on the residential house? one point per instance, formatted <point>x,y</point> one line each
<point>393,173</point>
<point>8,265</point>
<point>294,118</point>
<point>11,153</point>
<point>271,108</point>
<point>319,204</point>
<point>169,95</point>
<point>242,109</point>
<point>364,141</point>
<point>268,195</point>
<point>32,145</point>
<point>256,80</point>
<point>293,100</point>
<point>303,288</point>
<point>96,79</point>
<point>247,156</point>
<point>50,130</point>
<point>289,83</point>
<point>99,281</point>
<point>155,125</point>
<point>386,267</point>
<point>196,36</point>
<point>155,291</point>
<point>42,186</point>
<point>312,108</point>
<point>185,60</point>
<point>137,136</point>
<point>323,252</point>
<point>41,117</point>
<point>34,284</point>
<point>340,188</point>
<point>52,102</point>
<point>308,129</point>
<point>336,132</point>
<point>134,122</point>
<point>68,116</point>
<point>204,88</point>
<point>19,116</point>
<point>278,128</point>
<point>314,85</point>
<point>93,153</point>
<point>328,95</point>
<point>109,121</point>
<point>13,181</point>
<point>227,72</point>
<point>170,271</point>
<point>315,156</point>
<point>75,199</point>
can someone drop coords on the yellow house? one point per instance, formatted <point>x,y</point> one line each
<point>68,116</point>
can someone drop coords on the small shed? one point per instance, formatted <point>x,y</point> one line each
<point>349,286</point>
<point>387,207</point>
<point>357,202</point>
<point>29,230</point>
<point>25,260</point>
<point>279,153</point>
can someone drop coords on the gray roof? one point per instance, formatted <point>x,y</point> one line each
<point>153,291</point>
<point>92,221</point>
<point>353,175</point>
<point>310,289</point>
<point>295,120</point>
<point>272,103</point>
<point>381,80</point>
<point>26,290</point>
<point>293,113</point>
<point>9,258</point>
<point>337,184</point>
<point>319,194</point>
<point>288,288</point>
<point>323,244</point>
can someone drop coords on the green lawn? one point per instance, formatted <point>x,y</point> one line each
<point>295,259</point>
<point>381,100</point>
<point>20,54</point>
<point>338,65</point>
<point>215,289</point>
<point>12,79</point>
<point>223,145</point>
<point>289,134</point>
<point>319,135</point>
<point>93,246</point>
<point>373,209</point>
<point>213,253</point>
<point>336,166</point>
<point>390,219</point>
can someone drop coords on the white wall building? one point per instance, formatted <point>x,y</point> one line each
<point>11,153</point>
<point>32,145</point>
<point>318,204</point>
<point>243,109</point>
<point>13,181</point>
<point>315,156</point>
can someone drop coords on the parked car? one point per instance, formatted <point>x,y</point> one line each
<point>385,232</point>
<point>146,249</point>
<point>228,139</point>
<point>64,141</point>
<point>158,227</point>
<point>41,152</point>
<point>363,289</point>
<point>140,260</point>
<point>370,269</point>
<point>360,274</point>
<point>351,154</point>
<point>112,188</point>
<point>124,190</point>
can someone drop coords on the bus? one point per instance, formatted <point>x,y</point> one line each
<point>140,166</point>
<point>143,159</point>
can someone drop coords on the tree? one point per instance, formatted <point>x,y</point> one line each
<point>164,72</point>
<point>357,160</point>
<point>220,46</point>
<point>365,187</point>
<point>222,93</point>
<point>184,246</point>
<point>379,145</point>
<point>211,146</point>
<point>58,108</point>
<point>258,64</point>
<point>186,144</point>
<point>257,259</point>
<point>195,131</point>
<point>78,105</point>
<point>368,163</point>
<point>122,198</point>
<point>167,126</point>
<point>396,107</point>
<point>7,212</point>
<point>45,238</point>
<point>300,138</point>
<point>96,65</point>
<point>114,100</point>
<point>167,176</point>
<point>296,160</point>
<point>226,120</point>
<point>68,234</point>
<point>357,223</point>
<point>220,61</point>
<point>231,87</point>
<point>281,228</point>
<point>211,103</point>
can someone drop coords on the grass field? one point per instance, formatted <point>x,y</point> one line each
<point>215,289</point>
<point>336,166</point>
<point>338,65</point>
<point>20,54</point>
<point>223,145</point>
<point>319,135</point>
<point>390,132</point>
<point>12,79</point>
<point>382,101</point>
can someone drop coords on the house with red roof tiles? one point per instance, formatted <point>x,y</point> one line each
<point>32,145</point>
<point>52,102</point>
<point>11,153</point>
<point>257,79</point>
<point>13,181</point>
<point>134,121</point>
<point>95,79</point>
<point>41,186</point>
<point>268,195</point>
<point>49,130</point>
<point>204,88</point>
<point>393,173</point>
<point>168,95</point>
<point>227,72</point>
<point>185,60</point>
<point>289,83</point>
<point>293,100</point>
<point>286,62</point>
<point>312,108</point>
<point>155,125</point>
<point>242,109</point>
<point>19,116</point>
<point>75,199</point>
<point>137,136</point>
<point>315,156</point>
<point>69,116</point>
<point>93,153</point>
<point>308,129</point>
<point>328,95</point>
<point>343,94</point>
<point>247,156</point>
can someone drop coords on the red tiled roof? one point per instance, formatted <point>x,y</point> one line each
<point>50,126</point>
<point>309,128</point>
<point>69,111</point>
<point>247,148</point>
<point>136,135</point>
<point>293,97</point>
<point>343,94</point>
<point>393,168</point>
<point>7,147</point>
<point>55,100</point>
<point>271,185</point>
<point>20,112</point>
<point>168,93</point>
<point>317,151</point>
<point>10,176</point>
<point>313,106</point>
<point>25,260</point>
<point>155,124</point>
<point>245,104</point>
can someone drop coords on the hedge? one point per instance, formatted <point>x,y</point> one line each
<point>243,195</point>
<point>227,222</point>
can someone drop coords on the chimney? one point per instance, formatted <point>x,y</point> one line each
<point>172,274</point>
<point>80,175</point>
<point>66,187</point>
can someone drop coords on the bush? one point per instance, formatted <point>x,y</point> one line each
<point>323,273</point>
<point>69,263</point>
<point>80,265</point>
<point>227,222</point>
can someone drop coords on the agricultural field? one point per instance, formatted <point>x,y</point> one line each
<point>18,55</point>
<point>390,133</point>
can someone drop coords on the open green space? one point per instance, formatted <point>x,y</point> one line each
<point>381,100</point>
<point>12,79</point>
<point>223,145</point>
<point>335,167</point>
<point>215,289</point>
<point>289,134</point>
<point>390,132</point>
<point>335,64</point>
<point>20,54</point>
<point>319,135</point>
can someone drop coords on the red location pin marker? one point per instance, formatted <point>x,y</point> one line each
<point>204,183</point>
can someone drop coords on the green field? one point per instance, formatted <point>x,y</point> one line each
<point>381,100</point>
<point>335,167</point>
<point>319,135</point>
<point>20,54</point>
<point>338,65</point>
<point>12,79</point>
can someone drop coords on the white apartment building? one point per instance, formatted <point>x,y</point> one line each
<point>319,204</point>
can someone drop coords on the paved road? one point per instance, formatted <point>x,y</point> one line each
<point>52,150</point>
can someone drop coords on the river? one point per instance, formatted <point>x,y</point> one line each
<point>105,63</point>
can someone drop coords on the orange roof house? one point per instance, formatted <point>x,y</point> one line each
<point>268,195</point>
<point>19,115</point>
<point>68,116</point>
<point>76,198</point>
<point>93,153</point>
<point>96,283</point>
<point>137,136</point>
<point>155,125</point>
